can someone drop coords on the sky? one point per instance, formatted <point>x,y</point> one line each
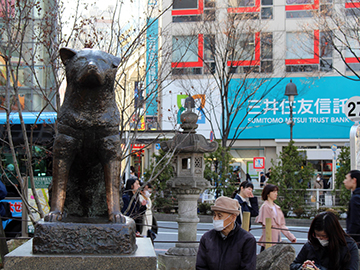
<point>131,10</point>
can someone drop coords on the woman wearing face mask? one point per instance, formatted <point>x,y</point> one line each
<point>227,246</point>
<point>269,209</point>
<point>329,247</point>
<point>148,216</point>
<point>133,207</point>
<point>244,195</point>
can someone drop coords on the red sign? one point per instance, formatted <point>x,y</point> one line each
<point>259,163</point>
<point>136,147</point>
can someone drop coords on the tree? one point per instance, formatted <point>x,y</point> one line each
<point>28,51</point>
<point>291,174</point>
<point>236,61</point>
<point>31,34</point>
<point>342,171</point>
<point>218,171</point>
<point>339,32</point>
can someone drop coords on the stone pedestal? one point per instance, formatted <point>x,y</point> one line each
<point>172,262</point>
<point>85,236</point>
<point>22,258</point>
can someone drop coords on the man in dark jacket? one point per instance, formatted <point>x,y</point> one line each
<point>352,182</point>
<point>245,192</point>
<point>227,246</point>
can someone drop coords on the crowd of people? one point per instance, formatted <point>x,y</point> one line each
<point>329,247</point>
<point>228,246</point>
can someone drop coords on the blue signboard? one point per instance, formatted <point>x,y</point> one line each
<point>30,118</point>
<point>152,65</point>
<point>317,110</point>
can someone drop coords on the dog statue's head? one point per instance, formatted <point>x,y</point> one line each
<point>89,67</point>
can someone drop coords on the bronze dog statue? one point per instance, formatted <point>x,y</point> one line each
<point>88,124</point>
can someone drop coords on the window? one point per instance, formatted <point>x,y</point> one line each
<point>193,10</point>
<point>252,53</point>
<point>352,7</point>
<point>326,51</point>
<point>250,9</point>
<point>193,54</point>
<point>300,48</point>
<point>301,8</point>
<point>184,4</point>
<point>308,51</point>
<point>352,53</point>
<point>266,52</point>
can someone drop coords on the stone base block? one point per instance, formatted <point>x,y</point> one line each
<point>22,258</point>
<point>171,262</point>
<point>84,236</point>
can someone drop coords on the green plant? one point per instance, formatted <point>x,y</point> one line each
<point>291,174</point>
<point>299,212</point>
<point>204,208</point>
<point>219,172</point>
<point>342,170</point>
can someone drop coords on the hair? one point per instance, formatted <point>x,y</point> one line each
<point>130,185</point>
<point>355,174</point>
<point>148,185</point>
<point>244,185</point>
<point>132,169</point>
<point>267,189</point>
<point>329,223</point>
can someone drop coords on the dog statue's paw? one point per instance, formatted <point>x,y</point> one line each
<point>117,218</point>
<point>54,216</point>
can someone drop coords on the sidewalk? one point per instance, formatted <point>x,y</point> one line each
<point>208,219</point>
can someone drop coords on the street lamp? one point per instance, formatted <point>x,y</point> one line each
<point>291,92</point>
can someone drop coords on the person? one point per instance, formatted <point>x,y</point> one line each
<point>352,182</point>
<point>132,206</point>
<point>248,177</point>
<point>227,246</point>
<point>3,194</point>
<point>328,246</point>
<point>262,179</point>
<point>11,182</point>
<point>133,174</point>
<point>268,174</point>
<point>244,195</point>
<point>148,215</point>
<point>271,210</point>
<point>319,184</point>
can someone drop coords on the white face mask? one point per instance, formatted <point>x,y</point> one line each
<point>318,179</point>
<point>219,224</point>
<point>324,243</point>
<point>147,194</point>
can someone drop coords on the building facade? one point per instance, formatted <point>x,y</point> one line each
<point>28,71</point>
<point>246,52</point>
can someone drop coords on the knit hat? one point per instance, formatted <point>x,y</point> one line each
<point>227,205</point>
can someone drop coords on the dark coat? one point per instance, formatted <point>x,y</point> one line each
<point>135,211</point>
<point>321,258</point>
<point>253,209</point>
<point>353,216</point>
<point>3,194</point>
<point>236,252</point>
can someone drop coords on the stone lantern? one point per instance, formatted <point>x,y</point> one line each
<point>188,183</point>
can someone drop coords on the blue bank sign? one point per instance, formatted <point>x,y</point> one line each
<point>318,110</point>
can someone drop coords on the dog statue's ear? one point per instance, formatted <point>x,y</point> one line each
<point>66,54</point>
<point>115,61</point>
